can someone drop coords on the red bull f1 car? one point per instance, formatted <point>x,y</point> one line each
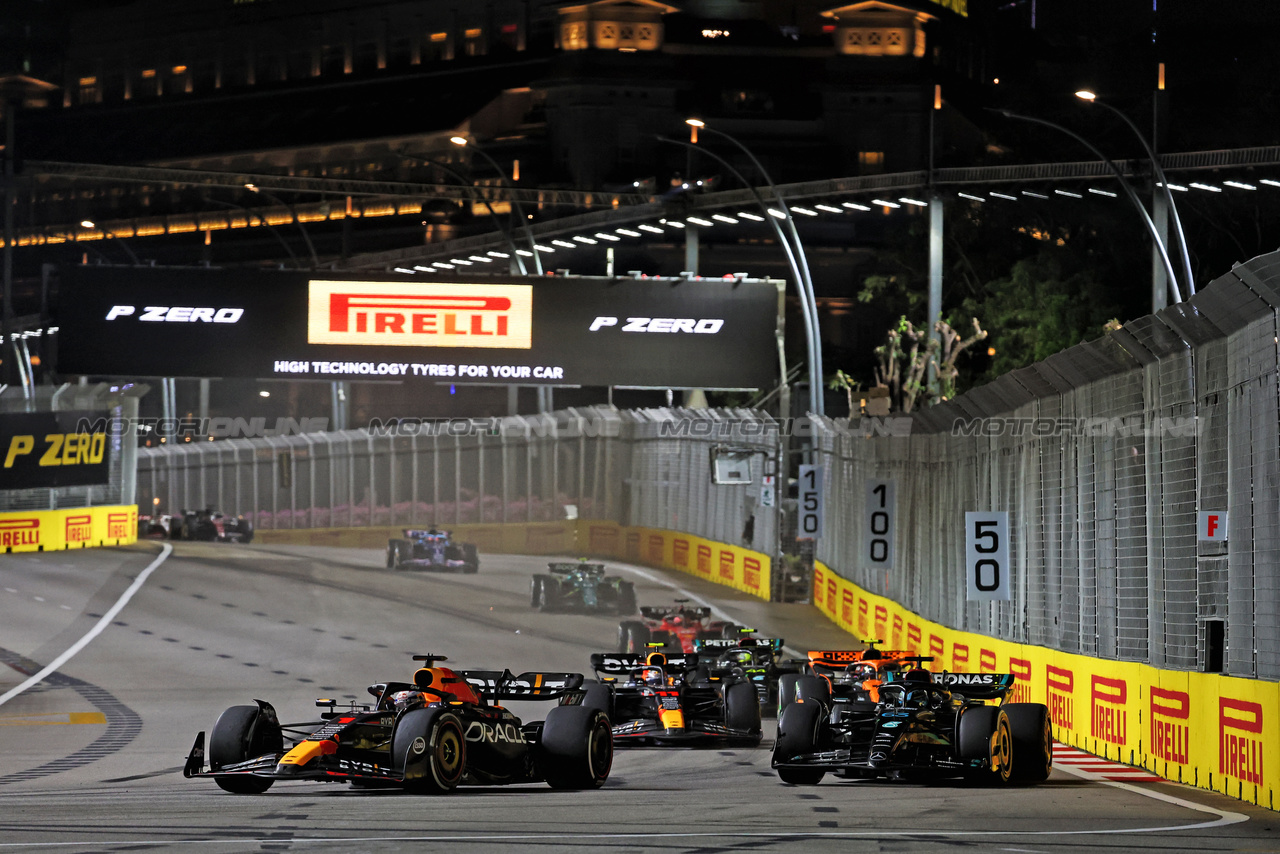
<point>663,700</point>
<point>431,549</point>
<point>925,726</point>
<point>673,628</point>
<point>443,729</point>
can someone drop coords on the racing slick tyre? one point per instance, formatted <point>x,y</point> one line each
<point>471,558</point>
<point>599,696</point>
<point>973,732</point>
<point>1031,738</point>
<point>814,689</point>
<point>786,691</point>
<point>398,551</point>
<point>240,733</point>
<point>431,748</point>
<point>548,594</point>
<point>626,598</point>
<point>742,707</point>
<point>798,733</point>
<point>632,636</point>
<point>576,748</point>
<point>535,591</point>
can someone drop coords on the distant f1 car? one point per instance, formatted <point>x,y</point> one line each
<point>926,725</point>
<point>673,627</point>
<point>208,525</point>
<point>430,735</point>
<point>656,699</point>
<point>431,549</point>
<point>581,586</point>
<point>759,658</point>
<point>854,674</point>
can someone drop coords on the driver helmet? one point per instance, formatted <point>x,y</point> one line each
<point>652,676</point>
<point>402,701</point>
<point>917,674</point>
<point>862,672</point>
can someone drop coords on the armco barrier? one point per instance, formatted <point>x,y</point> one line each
<point>732,566</point>
<point>73,528</point>
<point>1203,729</point>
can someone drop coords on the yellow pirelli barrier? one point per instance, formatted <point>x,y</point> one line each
<point>732,566</point>
<point>76,528</point>
<point>1203,729</point>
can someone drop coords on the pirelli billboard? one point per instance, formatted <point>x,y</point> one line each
<point>654,333</point>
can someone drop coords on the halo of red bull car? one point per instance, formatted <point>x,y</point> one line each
<point>679,679</point>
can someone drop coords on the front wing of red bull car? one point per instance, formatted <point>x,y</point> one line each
<point>431,735</point>
<point>656,699</point>
<point>936,726</point>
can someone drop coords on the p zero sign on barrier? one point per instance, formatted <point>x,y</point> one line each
<point>986,548</point>
<point>809,504</point>
<point>54,449</point>
<point>645,333</point>
<point>878,523</point>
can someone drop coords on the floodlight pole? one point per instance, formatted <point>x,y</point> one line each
<point>515,203</point>
<point>1128,189</point>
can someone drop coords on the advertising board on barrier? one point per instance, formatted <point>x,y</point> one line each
<point>657,333</point>
<point>54,449</point>
<point>79,527</point>
<point>1204,729</point>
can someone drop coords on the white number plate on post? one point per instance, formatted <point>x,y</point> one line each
<point>986,552</point>
<point>878,524</point>
<point>809,498</point>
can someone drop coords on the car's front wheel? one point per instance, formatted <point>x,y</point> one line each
<point>576,750</point>
<point>240,733</point>
<point>431,749</point>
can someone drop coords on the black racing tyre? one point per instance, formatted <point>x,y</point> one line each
<point>626,598</point>
<point>973,736</point>
<point>600,697</point>
<point>472,558</point>
<point>632,636</point>
<point>814,689</point>
<point>742,707</point>
<point>786,691</point>
<point>430,747</point>
<point>798,733</point>
<point>391,555</point>
<point>535,591</point>
<point>240,733</point>
<point>246,531</point>
<point>1031,735</point>
<point>576,750</point>
<point>398,551</point>
<point>548,594</point>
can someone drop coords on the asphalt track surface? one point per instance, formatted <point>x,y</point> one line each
<point>91,753</point>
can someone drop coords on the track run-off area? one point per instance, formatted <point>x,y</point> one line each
<point>144,649</point>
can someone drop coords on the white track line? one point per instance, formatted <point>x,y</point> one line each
<point>53,666</point>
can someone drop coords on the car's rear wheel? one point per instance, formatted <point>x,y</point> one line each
<point>786,691</point>
<point>632,636</point>
<point>798,733</point>
<point>240,733</point>
<point>1031,738</point>
<point>626,598</point>
<point>431,750</point>
<point>576,750</point>
<point>742,707</point>
<point>535,592</point>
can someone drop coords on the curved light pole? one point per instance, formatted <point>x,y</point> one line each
<point>515,203</point>
<point>315,259</point>
<point>810,340</point>
<point>107,235</point>
<point>475,194</point>
<point>1132,196</point>
<point>1189,279</point>
<point>806,281</point>
<point>253,214</point>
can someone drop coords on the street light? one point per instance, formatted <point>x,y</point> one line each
<point>785,396</point>
<point>315,259</point>
<point>1092,98</point>
<point>805,282</point>
<point>462,141</point>
<point>1132,196</point>
<point>465,182</point>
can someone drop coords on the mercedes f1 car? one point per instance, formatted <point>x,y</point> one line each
<point>759,658</point>
<point>674,628</point>
<point>431,549</point>
<point>926,725</point>
<point>582,586</point>
<point>656,699</point>
<point>442,730</point>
